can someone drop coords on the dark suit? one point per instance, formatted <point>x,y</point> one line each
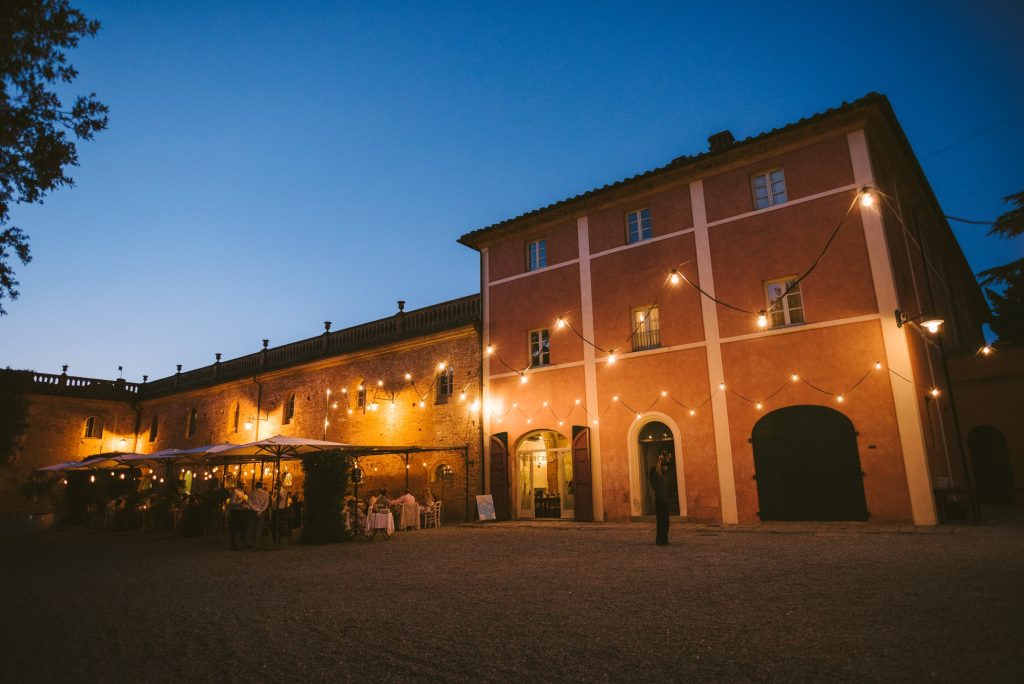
<point>659,483</point>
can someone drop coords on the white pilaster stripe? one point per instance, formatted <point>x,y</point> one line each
<point>897,350</point>
<point>719,409</point>
<point>589,367</point>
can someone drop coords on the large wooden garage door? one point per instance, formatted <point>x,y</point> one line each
<point>807,466</point>
<point>499,474</point>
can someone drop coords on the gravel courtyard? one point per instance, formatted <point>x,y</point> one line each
<point>504,603</point>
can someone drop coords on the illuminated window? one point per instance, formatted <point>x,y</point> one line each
<point>788,310</point>
<point>536,255</point>
<point>288,412</point>
<point>445,384</point>
<point>638,225</point>
<point>540,348</point>
<point>443,473</point>
<point>93,427</point>
<point>193,416</point>
<point>769,188</point>
<point>646,328</point>
<point>154,426</point>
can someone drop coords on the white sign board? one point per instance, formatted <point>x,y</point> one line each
<point>485,507</point>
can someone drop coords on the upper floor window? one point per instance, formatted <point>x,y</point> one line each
<point>540,349</point>
<point>788,310</point>
<point>154,426</point>
<point>445,385</point>
<point>769,188</point>
<point>361,395</point>
<point>536,255</point>
<point>288,412</point>
<point>646,328</point>
<point>638,225</point>
<point>193,416</point>
<point>93,427</point>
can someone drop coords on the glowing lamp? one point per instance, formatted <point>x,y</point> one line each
<point>935,392</point>
<point>523,379</point>
<point>408,376</point>
<point>867,198</point>
<point>932,325</point>
<point>794,377</point>
<point>490,349</point>
<point>760,406</point>
<point>673,277</point>
<point>762,319</point>
<point>878,365</point>
<point>248,425</point>
<point>693,412</point>
<point>986,350</point>
<point>559,323</point>
<point>839,398</point>
<point>611,357</point>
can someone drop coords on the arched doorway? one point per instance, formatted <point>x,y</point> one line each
<point>544,476</point>
<point>655,438</point>
<point>807,466</point>
<point>990,460</point>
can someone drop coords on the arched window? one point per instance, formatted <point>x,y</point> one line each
<point>361,395</point>
<point>193,417</point>
<point>93,427</point>
<point>154,425</point>
<point>443,473</point>
<point>236,412</point>
<point>289,410</point>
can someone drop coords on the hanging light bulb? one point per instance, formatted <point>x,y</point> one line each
<point>408,376</point>
<point>673,276</point>
<point>721,385</point>
<point>559,323</point>
<point>334,405</point>
<point>122,476</point>
<point>441,366</point>
<point>490,349</point>
<point>611,358</point>
<point>422,403</point>
<point>794,377</point>
<point>867,198</point>
<point>475,406</point>
<point>361,388</point>
<point>529,420</point>
<point>92,478</point>
<point>248,425</point>
<point>615,397</point>
<point>759,406</point>
<point>693,412</point>
<point>523,379</point>
<point>577,402</point>
<point>664,393</point>
<point>639,416</point>
<point>344,390</point>
<point>932,325</point>
<point>380,383</point>
<point>839,398</point>
<point>545,404</point>
<point>935,392</point>
<point>595,421</point>
<point>328,391</point>
<point>462,396</point>
<point>878,365</point>
<point>515,405</point>
<point>986,350</point>
<point>350,412</point>
<point>762,319</point>
<point>560,423</point>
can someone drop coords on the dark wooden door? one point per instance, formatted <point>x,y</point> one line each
<point>990,459</point>
<point>583,495</point>
<point>807,466</point>
<point>499,474</point>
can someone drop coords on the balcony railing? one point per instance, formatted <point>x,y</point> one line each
<point>646,339</point>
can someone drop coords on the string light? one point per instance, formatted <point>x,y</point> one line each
<point>986,350</point>
<point>878,365</point>
<point>559,323</point>
<point>932,325</point>
<point>935,391</point>
<point>839,398</point>
<point>664,393</point>
<point>611,358</point>
<point>462,396</point>
<point>490,349</point>
<point>441,366</point>
<point>794,377</point>
<point>721,385</point>
<point>408,376</point>
<point>693,412</point>
<point>523,379</point>
<point>867,198</point>
<point>615,397</point>
<point>673,276</point>
<point>759,406</point>
<point>762,319</point>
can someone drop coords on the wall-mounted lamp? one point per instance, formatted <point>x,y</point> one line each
<point>932,325</point>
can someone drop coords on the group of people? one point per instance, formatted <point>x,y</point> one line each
<point>248,512</point>
<point>377,498</point>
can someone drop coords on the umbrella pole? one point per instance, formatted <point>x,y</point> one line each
<point>276,513</point>
<point>406,471</point>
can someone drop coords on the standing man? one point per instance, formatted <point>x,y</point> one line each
<point>237,512</point>
<point>659,483</point>
<point>259,502</point>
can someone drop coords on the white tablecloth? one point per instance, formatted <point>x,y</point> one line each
<point>380,521</point>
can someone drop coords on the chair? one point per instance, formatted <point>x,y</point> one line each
<point>432,515</point>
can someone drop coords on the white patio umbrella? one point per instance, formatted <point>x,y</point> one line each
<point>280,446</point>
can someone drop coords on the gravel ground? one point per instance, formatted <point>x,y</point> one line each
<point>500,603</point>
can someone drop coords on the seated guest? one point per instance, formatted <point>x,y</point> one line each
<point>429,499</point>
<point>383,499</point>
<point>371,501</point>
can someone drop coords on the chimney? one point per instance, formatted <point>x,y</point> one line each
<point>720,141</point>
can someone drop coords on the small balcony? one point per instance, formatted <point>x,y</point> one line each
<point>646,339</point>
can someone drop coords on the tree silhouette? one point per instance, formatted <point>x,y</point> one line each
<point>1007,305</point>
<point>37,132</point>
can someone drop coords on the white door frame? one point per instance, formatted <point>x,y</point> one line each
<point>637,479</point>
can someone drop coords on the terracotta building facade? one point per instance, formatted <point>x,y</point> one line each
<point>774,315</point>
<point>737,311</point>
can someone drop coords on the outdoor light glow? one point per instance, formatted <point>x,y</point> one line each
<point>693,412</point>
<point>611,358</point>
<point>490,349</point>
<point>615,397</point>
<point>932,325</point>
<point>577,402</point>
<point>523,379</point>
<point>673,277</point>
<point>441,366</point>
<point>475,406</point>
<point>408,376</point>
<point>839,398</point>
<point>878,365</point>
<point>935,391</point>
<point>867,198</point>
<point>248,425</point>
<point>462,396</point>
<point>759,406</point>
<point>422,403</point>
<point>380,383</point>
<point>721,385</point>
<point>794,377</point>
<point>986,350</point>
<point>762,320</point>
<point>559,323</point>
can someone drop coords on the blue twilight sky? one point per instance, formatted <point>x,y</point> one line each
<point>269,165</point>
